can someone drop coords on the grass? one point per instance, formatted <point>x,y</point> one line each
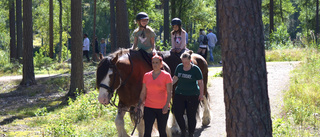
<point>300,116</point>
<point>84,116</point>
<point>293,54</point>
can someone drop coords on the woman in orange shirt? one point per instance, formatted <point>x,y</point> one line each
<point>156,95</point>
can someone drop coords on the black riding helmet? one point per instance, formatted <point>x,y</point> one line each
<point>142,15</point>
<point>176,21</point>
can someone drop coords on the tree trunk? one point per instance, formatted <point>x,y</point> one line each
<point>317,21</point>
<point>271,17</point>
<point>13,48</point>
<point>217,21</point>
<point>180,10</point>
<point>60,32</point>
<point>19,30</point>
<point>166,23</point>
<point>76,81</point>
<point>281,14</point>
<point>113,32</point>
<point>94,31</point>
<point>173,9</point>
<point>123,39</point>
<point>307,18</point>
<point>28,68</point>
<point>244,69</point>
<point>51,28</point>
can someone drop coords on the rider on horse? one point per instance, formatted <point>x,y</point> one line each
<point>178,37</point>
<point>144,36</point>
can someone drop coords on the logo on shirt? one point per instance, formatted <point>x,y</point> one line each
<point>178,40</point>
<point>142,39</point>
<point>187,76</point>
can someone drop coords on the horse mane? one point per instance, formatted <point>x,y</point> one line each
<point>164,53</point>
<point>102,70</point>
<point>119,52</point>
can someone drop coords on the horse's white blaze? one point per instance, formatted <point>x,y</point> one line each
<point>103,93</point>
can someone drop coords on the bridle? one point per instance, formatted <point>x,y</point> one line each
<point>111,88</point>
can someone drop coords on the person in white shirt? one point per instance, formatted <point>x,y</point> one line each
<point>212,40</point>
<point>86,46</point>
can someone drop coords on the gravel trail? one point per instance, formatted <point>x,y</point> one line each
<point>278,81</point>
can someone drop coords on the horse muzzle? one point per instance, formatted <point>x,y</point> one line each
<point>103,97</point>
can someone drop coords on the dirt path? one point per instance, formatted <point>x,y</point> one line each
<point>278,81</point>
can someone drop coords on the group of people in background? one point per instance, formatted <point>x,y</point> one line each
<point>207,42</point>
<point>98,51</point>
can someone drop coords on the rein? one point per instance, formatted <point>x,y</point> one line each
<point>137,117</point>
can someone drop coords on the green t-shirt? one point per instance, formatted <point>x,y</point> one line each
<point>144,41</point>
<point>188,80</point>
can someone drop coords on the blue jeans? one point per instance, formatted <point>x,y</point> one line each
<point>211,55</point>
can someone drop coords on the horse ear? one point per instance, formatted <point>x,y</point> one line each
<point>115,59</point>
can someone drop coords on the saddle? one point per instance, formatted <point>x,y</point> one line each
<point>148,58</point>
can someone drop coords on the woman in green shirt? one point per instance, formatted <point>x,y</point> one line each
<point>144,36</point>
<point>188,93</point>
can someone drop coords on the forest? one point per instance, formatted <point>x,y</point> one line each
<point>44,37</point>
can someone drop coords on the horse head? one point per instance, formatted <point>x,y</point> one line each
<point>108,79</point>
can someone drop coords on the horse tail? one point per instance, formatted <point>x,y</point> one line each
<point>203,65</point>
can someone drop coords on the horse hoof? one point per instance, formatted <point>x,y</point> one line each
<point>205,121</point>
<point>175,130</point>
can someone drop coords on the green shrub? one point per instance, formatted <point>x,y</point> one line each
<point>280,38</point>
<point>6,67</point>
<point>41,61</point>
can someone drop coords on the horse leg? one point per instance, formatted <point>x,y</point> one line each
<point>168,131</point>
<point>140,128</point>
<point>120,123</point>
<point>206,113</point>
<point>174,124</point>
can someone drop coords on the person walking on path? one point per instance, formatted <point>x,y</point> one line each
<point>144,36</point>
<point>103,47</point>
<point>212,40</point>
<point>156,96</point>
<point>203,44</point>
<point>178,37</point>
<point>86,46</point>
<point>188,93</point>
<point>96,48</point>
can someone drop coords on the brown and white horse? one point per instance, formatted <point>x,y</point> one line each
<point>123,71</point>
